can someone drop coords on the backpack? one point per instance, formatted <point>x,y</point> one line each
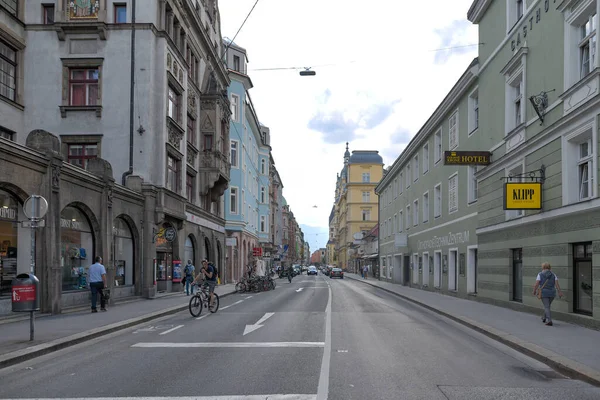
<point>215,270</point>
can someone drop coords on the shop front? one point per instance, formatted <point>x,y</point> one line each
<point>76,249</point>
<point>123,251</point>
<point>9,239</point>
<point>165,238</point>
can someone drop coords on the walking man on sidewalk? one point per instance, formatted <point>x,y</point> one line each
<point>97,275</point>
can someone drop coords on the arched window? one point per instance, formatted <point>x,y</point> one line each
<point>262,195</point>
<point>263,166</point>
<point>190,253</point>
<point>76,248</point>
<point>207,253</point>
<point>123,250</point>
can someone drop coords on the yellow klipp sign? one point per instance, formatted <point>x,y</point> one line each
<point>523,196</point>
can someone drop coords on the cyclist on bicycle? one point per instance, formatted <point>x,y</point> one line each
<point>208,274</point>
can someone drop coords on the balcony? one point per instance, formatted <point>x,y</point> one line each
<point>214,174</point>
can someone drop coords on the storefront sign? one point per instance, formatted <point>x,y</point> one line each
<point>467,157</point>
<point>69,224</point>
<point>204,222</point>
<point>523,196</point>
<point>23,293</point>
<point>168,234</point>
<point>8,213</point>
<point>177,271</point>
<point>528,23</point>
<point>443,241</point>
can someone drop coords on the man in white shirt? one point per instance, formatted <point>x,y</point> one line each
<point>97,277</point>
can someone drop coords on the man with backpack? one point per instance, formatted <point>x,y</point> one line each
<point>189,275</point>
<point>209,273</point>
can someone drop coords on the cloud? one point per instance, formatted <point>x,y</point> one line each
<point>401,136</point>
<point>454,35</point>
<point>339,126</point>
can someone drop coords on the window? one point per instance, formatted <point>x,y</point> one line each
<point>7,134</point>
<point>514,175</point>
<point>366,215</point>
<point>174,108</point>
<point>515,106</point>
<point>233,153</point>
<point>438,146</point>
<point>584,168</point>
<point>173,173</point>
<point>11,6</point>
<point>190,187</point>
<point>401,182</point>
<point>366,197</point>
<point>416,168</point>
<point>425,158</point>
<point>408,175</point>
<point>366,177</point>
<point>587,45</point>
<point>579,165</point>
<point>453,193</point>
<point>394,223</point>
<point>263,167</point>
<point>519,9</point>
<point>120,13</point>
<point>425,207</point>
<point>472,170</point>
<point>515,11</point>
<point>207,140</point>
<point>235,107</point>
<point>262,195</point>
<point>453,131</point>
<point>437,200</point>
<point>8,68</point>
<point>236,63</point>
<point>47,14</point>
<point>473,111</point>
<point>191,130</point>
<point>83,87</point>
<point>408,217</point>
<point>79,154</point>
<point>233,205</point>
<point>415,212</point>
<point>263,223</point>
<point>400,221</point>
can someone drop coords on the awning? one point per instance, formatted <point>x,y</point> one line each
<point>371,256</point>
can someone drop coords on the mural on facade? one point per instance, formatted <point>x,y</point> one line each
<point>84,9</point>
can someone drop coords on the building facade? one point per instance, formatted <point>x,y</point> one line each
<point>247,198</point>
<point>356,211</point>
<point>276,220</point>
<point>427,225</point>
<point>159,131</point>
<point>538,83</point>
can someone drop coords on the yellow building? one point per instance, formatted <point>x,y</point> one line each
<point>356,207</point>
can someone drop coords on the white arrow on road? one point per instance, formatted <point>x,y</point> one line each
<point>300,289</point>
<point>257,325</point>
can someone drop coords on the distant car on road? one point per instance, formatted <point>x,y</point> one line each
<point>312,270</point>
<point>336,273</point>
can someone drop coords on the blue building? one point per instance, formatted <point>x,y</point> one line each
<point>247,209</point>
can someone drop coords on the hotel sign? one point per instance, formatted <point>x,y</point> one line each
<point>523,196</point>
<point>467,157</point>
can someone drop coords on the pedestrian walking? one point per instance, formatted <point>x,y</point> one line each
<point>97,275</point>
<point>189,273</point>
<point>365,271</point>
<point>546,285</point>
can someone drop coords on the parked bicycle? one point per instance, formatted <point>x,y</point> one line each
<point>202,298</point>
<point>255,284</point>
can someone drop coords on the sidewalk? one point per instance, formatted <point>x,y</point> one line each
<point>56,332</point>
<point>568,348</point>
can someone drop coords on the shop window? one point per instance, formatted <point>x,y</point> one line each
<point>9,234</point>
<point>76,249</point>
<point>124,253</point>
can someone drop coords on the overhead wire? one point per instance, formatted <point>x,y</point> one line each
<point>240,28</point>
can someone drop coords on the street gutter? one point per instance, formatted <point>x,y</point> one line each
<point>16,357</point>
<point>562,364</point>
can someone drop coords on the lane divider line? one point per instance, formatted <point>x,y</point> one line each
<point>171,330</point>
<point>323,388</point>
<point>229,344</point>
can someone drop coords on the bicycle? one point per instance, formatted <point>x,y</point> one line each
<point>202,298</point>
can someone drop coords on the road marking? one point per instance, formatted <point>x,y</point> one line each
<point>299,289</point>
<point>171,330</point>
<point>342,351</point>
<point>231,305</point>
<point>202,317</point>
<point>249,297</point>
<point>228,344</point>
<point>243,397</point>
<point>323,388</point>
<point>251,328</point>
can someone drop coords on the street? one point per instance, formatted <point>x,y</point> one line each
<point>313,338</point>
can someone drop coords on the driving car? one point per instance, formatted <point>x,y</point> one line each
<point>312,270</point>
<point>336,273</point>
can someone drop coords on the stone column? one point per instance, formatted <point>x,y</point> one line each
<point>149,227</point>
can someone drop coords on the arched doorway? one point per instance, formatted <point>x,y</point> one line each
<point>123,250</point>
<point>76,248</point>
<point>190,251</point>
<point>218,261</point>
<point>14,253</point>
<point>207,252</point>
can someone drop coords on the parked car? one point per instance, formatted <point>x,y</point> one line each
<point>312,270</point>
<point>336,273</point>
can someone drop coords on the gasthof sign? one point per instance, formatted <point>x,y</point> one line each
<point>467,157</point>
<point>523,196</point>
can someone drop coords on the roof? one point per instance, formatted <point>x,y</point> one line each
<point>365,157</point>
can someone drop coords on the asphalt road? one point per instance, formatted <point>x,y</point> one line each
<point>316,336</point>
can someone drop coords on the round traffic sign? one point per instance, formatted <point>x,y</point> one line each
<point>35,207</point>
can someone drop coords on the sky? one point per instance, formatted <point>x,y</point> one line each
<point>380,74</point>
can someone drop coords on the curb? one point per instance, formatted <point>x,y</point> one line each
<point>15,357</point>
<point>562,364</point>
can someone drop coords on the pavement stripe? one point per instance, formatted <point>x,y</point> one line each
<point>323,388</point>
<point>243,397</point>
<point>171,330</point>
<point>229,344</point>
<point>202,317</point>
